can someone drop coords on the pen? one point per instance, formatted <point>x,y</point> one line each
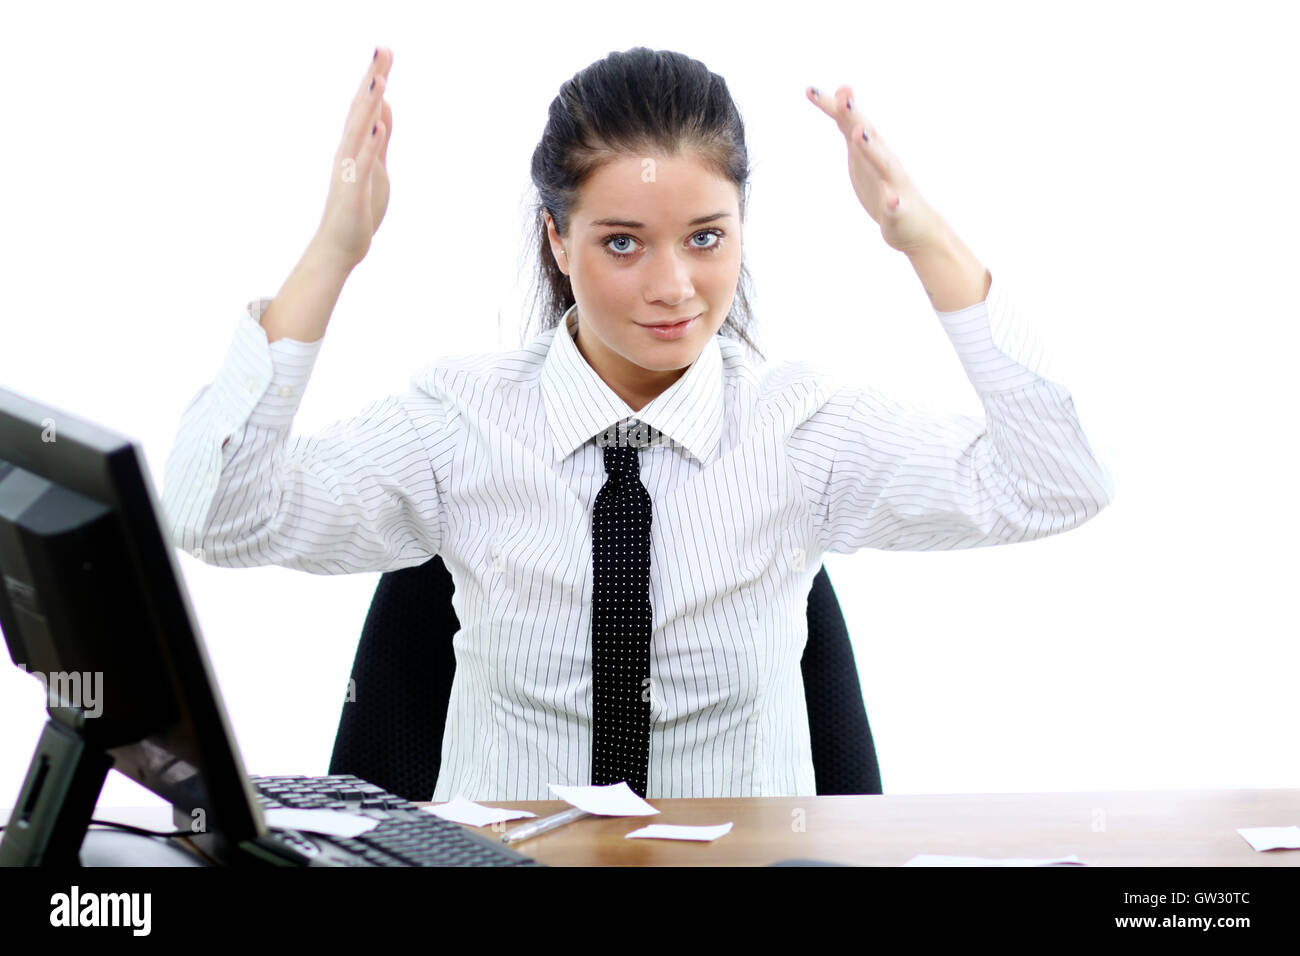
<point>543,825</point>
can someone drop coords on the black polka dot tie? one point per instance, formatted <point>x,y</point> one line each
<point>620,621</point>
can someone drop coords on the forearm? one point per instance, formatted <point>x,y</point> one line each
<point>953,278</point>
<point>302,308</point>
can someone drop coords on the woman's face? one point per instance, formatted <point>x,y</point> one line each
<point>652,239</point>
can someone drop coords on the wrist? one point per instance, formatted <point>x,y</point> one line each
<point>324,259</point>
<point>953,277</point>
<point>940,244</point>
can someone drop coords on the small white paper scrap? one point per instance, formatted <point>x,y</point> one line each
<point>333,822</point>
<point>932,859</point>
<point>1272,838</point>
<point>460,810</point>
<point>664,831</point>
<point>612,800</point>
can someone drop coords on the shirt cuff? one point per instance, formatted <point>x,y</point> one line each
<point>262,382</point>
<point>996,342</point>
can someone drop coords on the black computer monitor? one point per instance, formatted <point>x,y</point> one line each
<point>93,605</point>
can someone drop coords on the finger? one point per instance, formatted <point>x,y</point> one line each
<point>386,117</point>
<point>824,101</point>
<point>365,113</point>
<point>358,113</point>
<point>883,164</point>
<point>832,104</point>
<point>369,150</point>
<point>842,107</point>
<point>379,65</point>
<point>863,139</point>
<point>852,120</point>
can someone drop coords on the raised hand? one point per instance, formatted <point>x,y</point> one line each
<point>358,195</point>
<point>907,222</point>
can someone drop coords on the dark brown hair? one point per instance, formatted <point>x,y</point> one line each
<point>635,102</point>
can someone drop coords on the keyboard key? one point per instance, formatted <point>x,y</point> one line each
<point>406,835</point>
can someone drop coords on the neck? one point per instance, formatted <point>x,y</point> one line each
<point>633,384</point>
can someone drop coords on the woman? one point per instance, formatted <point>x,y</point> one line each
<point>632,512</point>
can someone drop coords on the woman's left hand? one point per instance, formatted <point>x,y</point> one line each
<point>906,220</point>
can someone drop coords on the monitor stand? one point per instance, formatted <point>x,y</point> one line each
<point>50,824</point>
<point>58,797</point>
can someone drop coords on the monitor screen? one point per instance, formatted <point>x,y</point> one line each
<point>94,607</point>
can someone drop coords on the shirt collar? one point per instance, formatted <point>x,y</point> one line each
<point>579,404</point>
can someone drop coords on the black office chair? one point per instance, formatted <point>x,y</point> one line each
<point>391,734</point>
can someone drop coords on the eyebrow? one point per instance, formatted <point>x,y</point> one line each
<point>631,224</point>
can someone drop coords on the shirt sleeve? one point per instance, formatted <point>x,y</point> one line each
<point>880,473</point>
<point>359,495</point>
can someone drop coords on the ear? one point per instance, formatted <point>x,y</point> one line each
<point>557,245</point>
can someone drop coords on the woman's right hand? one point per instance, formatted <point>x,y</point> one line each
<point>358,193</point>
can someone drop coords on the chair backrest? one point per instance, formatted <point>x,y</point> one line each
<point>393,719</point>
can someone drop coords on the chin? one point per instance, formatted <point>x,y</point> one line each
<point>665,359</point>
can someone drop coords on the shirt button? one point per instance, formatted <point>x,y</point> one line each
<point>797,555</point>
<point>498,560</point>
<point>285,391</point>
<point>210,479</point>
<point>251,385</point>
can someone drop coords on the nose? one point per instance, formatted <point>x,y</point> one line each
<point>669,280</point>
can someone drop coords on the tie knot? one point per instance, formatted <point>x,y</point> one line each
<point>621,460</point>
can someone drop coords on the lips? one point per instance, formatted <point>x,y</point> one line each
<point>673,331</point>
<point>669,325</point>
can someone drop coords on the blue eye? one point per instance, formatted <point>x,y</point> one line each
<point>717,234</point>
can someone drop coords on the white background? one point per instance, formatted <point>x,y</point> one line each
<point>1129,166</point>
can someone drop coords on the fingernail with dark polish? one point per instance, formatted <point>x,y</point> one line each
<point>372,84</point>
<point>814,89</point>
<point>376,56</point>
<point>848,104</point>
<point>865,137</point>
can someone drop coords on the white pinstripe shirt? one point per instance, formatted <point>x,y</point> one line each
<point>492,462</point>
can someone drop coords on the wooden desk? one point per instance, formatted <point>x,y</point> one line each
<point>1114,828</point>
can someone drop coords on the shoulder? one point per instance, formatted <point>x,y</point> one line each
<point>771,377</point>
<point>786,390</point>
<point>480,373</point>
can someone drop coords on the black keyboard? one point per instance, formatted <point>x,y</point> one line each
<point>406,835</point>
